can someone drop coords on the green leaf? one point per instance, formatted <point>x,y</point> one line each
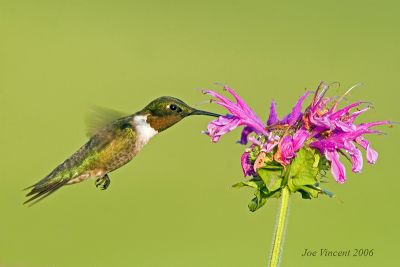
<point>317,159</point>
<point>312,191</point>
<point>326,192</point>
<point>271,177</point>
<point>253,205</point>
<point>258,184</point>
<point>302,175</point>
<point>272,165</point>
<point>304,168</point>
<point>258,201</point>
<point>275,194</point>
<point>305,195</point>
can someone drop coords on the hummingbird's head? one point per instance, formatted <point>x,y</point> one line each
<point>165,111</point>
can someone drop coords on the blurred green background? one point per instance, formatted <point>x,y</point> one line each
<point>173,205</point>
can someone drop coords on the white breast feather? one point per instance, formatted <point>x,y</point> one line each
<point>143,130</point>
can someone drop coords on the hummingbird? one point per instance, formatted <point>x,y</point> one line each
<point>114,145</point>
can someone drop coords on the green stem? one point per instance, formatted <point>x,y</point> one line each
<point>280,229</point>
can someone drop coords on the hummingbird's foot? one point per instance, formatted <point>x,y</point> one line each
<point>103,182</point>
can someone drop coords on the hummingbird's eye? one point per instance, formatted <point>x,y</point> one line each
<point>173,107</point>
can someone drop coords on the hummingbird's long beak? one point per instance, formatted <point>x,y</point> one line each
<point>202,112</point>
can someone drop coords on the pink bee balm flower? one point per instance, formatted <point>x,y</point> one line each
<point>322,127</point>
<point>294,153</point>
<point>334,131</point>
<point>240,114</point>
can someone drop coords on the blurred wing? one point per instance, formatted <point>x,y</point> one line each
<point>100,117</point>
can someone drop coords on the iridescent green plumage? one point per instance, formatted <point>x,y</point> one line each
<point>109,149</point>
<point>113,145</point>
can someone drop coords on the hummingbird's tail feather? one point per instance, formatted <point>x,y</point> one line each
<point>40,190</point>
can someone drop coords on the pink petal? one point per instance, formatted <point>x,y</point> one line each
<point>356,156</point>
<point>337,168</point>
<point>357,113</point>
<point>299,138</point>
<point>286,148</point>
<point>345,127</point>
<point>344,110</point>
<point>296,111</point>
<point>245,133</point>
<point>247,167</point>
<point>240,110</point>
<point>218,96</point>
<point>372,155</point>
<point>221,126</point>
<point>368,125</point>
<point>272,142</point>
<point>240,101</point>
<point>273,115</point>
